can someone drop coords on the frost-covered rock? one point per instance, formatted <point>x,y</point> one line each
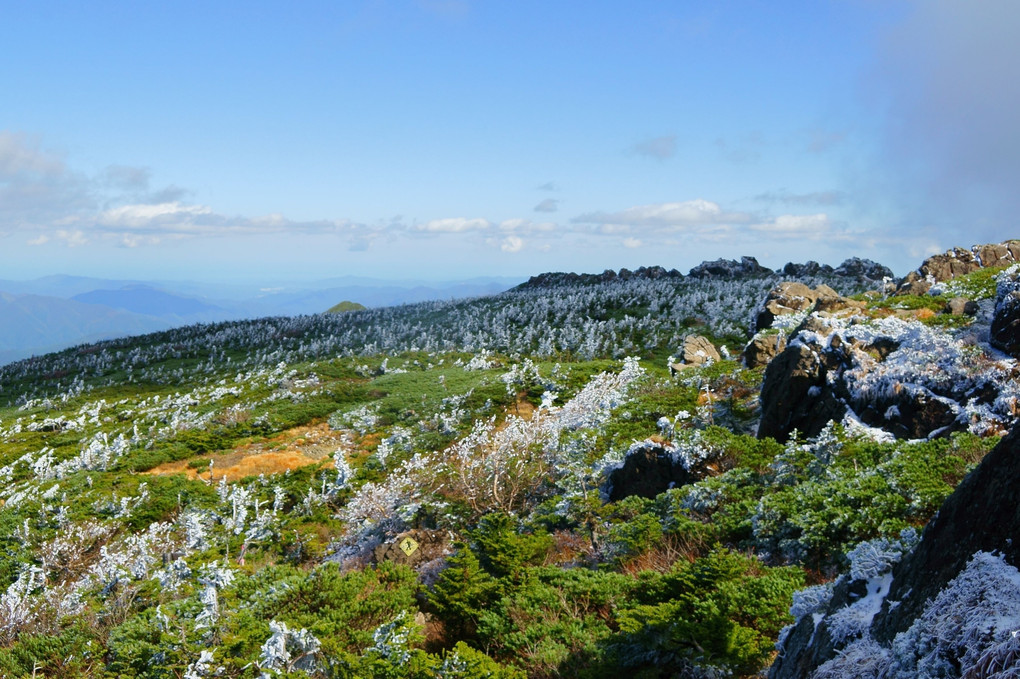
<point>948,608</point>
<point>1005,330</point>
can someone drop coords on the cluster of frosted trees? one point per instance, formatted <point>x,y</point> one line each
<point>616,319</point>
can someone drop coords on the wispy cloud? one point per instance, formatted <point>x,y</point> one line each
<point>832,197</point>
<point>663,217</point>
<point>660,148</point>
<point>548,205</point>
<point>453,225</point>
<point>746,148</point>
<point>512,244</point>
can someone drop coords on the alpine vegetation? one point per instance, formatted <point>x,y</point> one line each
<point>641,474</point>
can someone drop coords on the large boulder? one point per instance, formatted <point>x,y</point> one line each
<point>796,393</point>
<point>809,268</point>
<point>910,414</point>
<point>998,254</point>
<point>762,348</point>
<point>961,306</point>
<point>1005,329</point>
<point>958,262</point>
<point>698,350</point>
<point>788,297</point>
<point>649,469</point>
<point>947,266</point>
<point>728,268</point>
<point>863,269</point>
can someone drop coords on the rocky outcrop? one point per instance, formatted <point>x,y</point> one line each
<point>729,268</point>
<point>809,268</point>
<point>556,279</point>
<point>863,269</point>
<point>958,262</point>
<point>963,526</point>
<point>762,348</point>
<point>910,414</point>
<point>648,470</point>
<point>786,298</point>
<point>698,350</point>
<point>796,393</point>
<point>1005,329</point>
<point>981,516</point>
<point>790,297</point>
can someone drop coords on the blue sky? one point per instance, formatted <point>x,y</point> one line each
<point>450,139</point>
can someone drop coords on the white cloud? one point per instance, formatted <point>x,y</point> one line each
<point>453,225</point>
<point>512,244</point>
<point>149,216</point>
<point>796,226</point>
<point>526,226</point>
<point>21,156</point>
<point>664,216</point>
<point>42,239</point>
<point>72,239</point>
<point>631,243</point>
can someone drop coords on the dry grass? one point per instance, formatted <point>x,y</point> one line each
<point>287,450</point>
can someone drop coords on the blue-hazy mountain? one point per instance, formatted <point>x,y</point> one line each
<point>145,299</point>
<point>55,312</point>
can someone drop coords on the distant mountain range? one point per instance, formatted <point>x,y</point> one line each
<point>55,312</point>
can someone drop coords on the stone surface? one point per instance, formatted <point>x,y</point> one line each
<point>729,268</point>
<point>788,297</point>
<point>947,266</point>
<point>958,262</point>
<point>698,350</point>
<point>763,348</point>
<point>960,306</point>
<point>809,268</point>
<point>646,472</point>
<point>797,395</point>
<point>863,269</point>
<point>1005,329</point>
<point>910,414</point>
<point>982,514</point>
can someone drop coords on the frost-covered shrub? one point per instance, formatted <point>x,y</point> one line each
<point>286,650</point>
<point>978,610</point>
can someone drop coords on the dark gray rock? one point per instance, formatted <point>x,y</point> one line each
<point>911,414</point>
<point>729,268</point>
<point>1005,329</point>
<point>961,306</point>
<point>982,514</point>
<point>855,267</point>
<point>809,268</point>
<point>647,471</point>
<point>797,395</point>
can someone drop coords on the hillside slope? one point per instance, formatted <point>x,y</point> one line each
<point>567,479</point>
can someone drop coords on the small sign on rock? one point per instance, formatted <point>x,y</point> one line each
<point>408,546</point>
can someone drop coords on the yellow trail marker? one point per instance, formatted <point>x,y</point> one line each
<point>408,546</point>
